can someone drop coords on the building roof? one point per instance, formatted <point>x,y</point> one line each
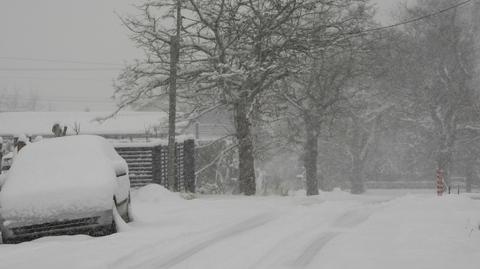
<point>40,123</point>
<point>212,125</point>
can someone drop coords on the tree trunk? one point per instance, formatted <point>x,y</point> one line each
<point>356,178</point>
<point>469,175</point>
<point>310,161</point>
<point>1,152</point>
<point>246,166</point>
<point>443,160</point>
<point>358,146</point>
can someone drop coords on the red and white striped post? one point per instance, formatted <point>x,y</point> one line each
<point>440,182</point>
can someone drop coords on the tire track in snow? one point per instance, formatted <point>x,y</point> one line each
<point>348,220</point>
<point>119,263</point>
<point>311,251</point>
<point>169,262</point>
<point>352,218</point>
<point>286,240</point>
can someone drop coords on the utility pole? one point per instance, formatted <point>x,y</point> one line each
<point>172,104</point>
<point>476,21</point>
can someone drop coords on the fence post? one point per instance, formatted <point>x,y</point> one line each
<point>179,167</point>
<point>164,161</point>
<point>189,164</point>
<point>440,182</point>
<point>157,165</point>
<point>1,152</point>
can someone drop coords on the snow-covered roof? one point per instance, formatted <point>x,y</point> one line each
<point>40,123</point>
<point>152,142</point>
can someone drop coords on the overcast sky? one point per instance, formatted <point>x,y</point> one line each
<point>73,30</point>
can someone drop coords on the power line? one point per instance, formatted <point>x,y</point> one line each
<point>414,19</point>
<point>57,61</point>
<point>60,98</point>
<point>57,78</point>
<point>119,65</point>
<point>86,69</point>
<point>53,100</point>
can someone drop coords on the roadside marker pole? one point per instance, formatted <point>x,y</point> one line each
<point>440,182</point>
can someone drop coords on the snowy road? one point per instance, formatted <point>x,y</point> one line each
<point>332,230</point>
<point>262,238</point>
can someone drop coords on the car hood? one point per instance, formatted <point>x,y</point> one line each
<point>55,203</point>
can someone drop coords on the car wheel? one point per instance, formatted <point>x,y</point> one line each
<point>116,217</point>
<point>113,228</point>
<point>129,217</point>
<point>104,230</point>
<point>123,210</point>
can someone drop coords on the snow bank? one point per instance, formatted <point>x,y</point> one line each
<point>154,203</point>
<point>59,176</point>
<point>154,193</point>
<point>411,232</point>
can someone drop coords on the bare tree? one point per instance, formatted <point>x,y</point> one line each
<point>18,100</point>
<point>363,117</point>
<point>441,66</point>
<point>231,53</point>
<point>329,69</point>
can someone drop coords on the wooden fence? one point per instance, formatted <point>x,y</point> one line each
<point>148,164</point>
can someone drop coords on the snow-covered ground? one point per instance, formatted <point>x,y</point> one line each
<point>334,230</point>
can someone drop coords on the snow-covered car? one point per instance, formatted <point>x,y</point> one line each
<point>66,185</point>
